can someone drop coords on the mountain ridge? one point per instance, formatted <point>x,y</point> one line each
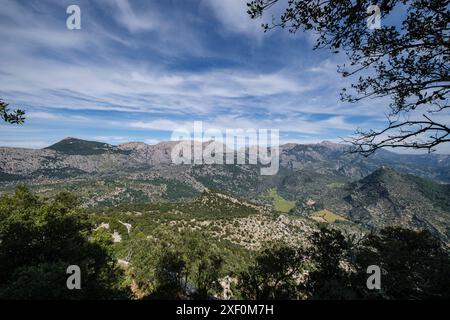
<point>99,157</point>
<point>387,197</point>
<point>372,192</point>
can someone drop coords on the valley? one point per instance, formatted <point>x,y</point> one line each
<point>321,182</point>
<point>145,205</point>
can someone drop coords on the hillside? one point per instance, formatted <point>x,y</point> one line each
<point>73,146</point>
<point>219,216</point>
<point>71,154</point>
<point>387,197</point>
<point>313,179</point>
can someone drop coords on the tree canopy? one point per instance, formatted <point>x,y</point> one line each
<point>40,238</point>
<point>413,264</point>
<point>177,266</point>
<point>407,62</point>
<point>273,274</point>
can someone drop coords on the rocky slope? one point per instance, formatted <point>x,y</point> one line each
<point>72,157</point>
<point>315,177</point>
<point>387,197</point>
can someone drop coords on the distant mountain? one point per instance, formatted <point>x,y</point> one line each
<point>387,197</point>
<point>72,156</point>
<point>73,146</point>
<point>384,189</point>
<point>329,157</point>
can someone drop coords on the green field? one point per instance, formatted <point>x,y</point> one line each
<point>279,203</point>
<point>327,216</point>
<point>336,185</point>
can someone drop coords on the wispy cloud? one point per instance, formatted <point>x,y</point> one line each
<point>136,21</point>
<point>139,69</point>
<point>233,17</point>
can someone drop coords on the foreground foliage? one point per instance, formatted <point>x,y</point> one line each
<point>414,265</point>
<point>40,238</point>
<point>405,61</point>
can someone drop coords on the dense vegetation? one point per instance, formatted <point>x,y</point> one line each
<point>437,193</point>
<point>40,238</point>
<point>414,265</point>
<point>75,146</point>
<point>177,266</point>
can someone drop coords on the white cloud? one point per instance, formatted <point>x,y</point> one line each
<point>234,18</point>
<point>45,65</point>
<point>111,139</point>
<point>223,122</point>
<point>25,143</point>
<point>123,87</point>
<point>136,21</point>
<point>42,115</point>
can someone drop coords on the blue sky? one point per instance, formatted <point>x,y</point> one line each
<point>137,70</point>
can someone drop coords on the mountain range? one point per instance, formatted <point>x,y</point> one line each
<point>313,179</point>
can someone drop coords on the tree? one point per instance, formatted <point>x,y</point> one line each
<point>408,63</point>
<point>414,265</point>
<point>171,276</point>
<point>331,274</point>
<point>275,274</point>
<point>16,117</point>
<point>177,265</point>
<point>207,276</point>
<point>40,238</point>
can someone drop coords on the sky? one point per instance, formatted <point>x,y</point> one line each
<point>138,70</point>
